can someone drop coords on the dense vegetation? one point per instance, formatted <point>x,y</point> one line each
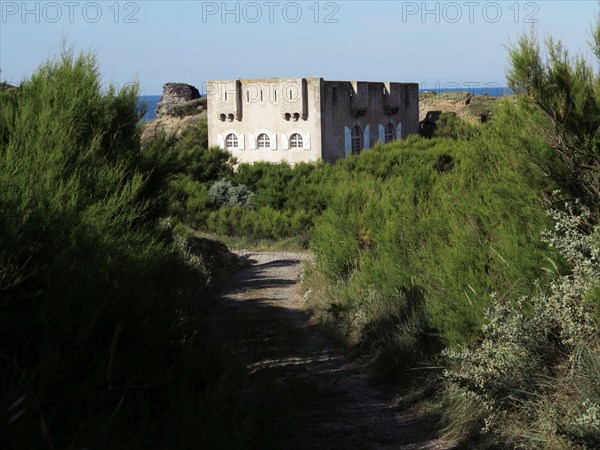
<point>102,339</point>
<point>535,376</point>
<point>254,202</point>
<point>484,245</point>
<point>475,252</point>
<point>468,261</point>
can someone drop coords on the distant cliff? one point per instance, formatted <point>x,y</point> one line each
<point>180,99</point>
<point>472,108</point>
<point>180,105</point>
<point>475,108</point>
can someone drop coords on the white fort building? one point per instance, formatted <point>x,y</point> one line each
<point>307,119</point>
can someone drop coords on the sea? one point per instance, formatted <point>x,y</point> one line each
<point>152,100</point>
<point>492,91</point>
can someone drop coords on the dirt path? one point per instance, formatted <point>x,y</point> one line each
<point>339,407</point>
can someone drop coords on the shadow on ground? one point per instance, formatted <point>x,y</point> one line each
<point>321,399</point>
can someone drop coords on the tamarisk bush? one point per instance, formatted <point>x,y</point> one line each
<point>103,343</point>
<point>539,355</point>
<point>560,97</point>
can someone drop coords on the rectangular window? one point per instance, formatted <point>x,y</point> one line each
<point>389,133</point>
<point>356,140</point>
<point>356,145</point>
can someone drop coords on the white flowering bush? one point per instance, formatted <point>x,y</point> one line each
<point>534,346</point>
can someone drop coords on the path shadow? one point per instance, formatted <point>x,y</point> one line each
<point>324,400</point>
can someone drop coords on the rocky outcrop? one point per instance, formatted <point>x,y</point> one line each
<point>179,107</point>
<point>191,108</point>
<point>470,107</point>
<point>170,125</point>
<point>428,125</point>
<point>179,99</point>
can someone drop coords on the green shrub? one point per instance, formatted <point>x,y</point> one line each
<point>223,192</point>
<point>449,125</point>
<point>456,219</point>
<point>559,99</point>
<point>282,186</point>
<point>99,302</point>
<point>179,173</point>
<point>541,355</point>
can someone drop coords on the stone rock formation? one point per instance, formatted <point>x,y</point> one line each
<point>178,98</point>
<point>179,107</point>
<point>428,125</point>
<point>467,106</point>
<point>169,125</point>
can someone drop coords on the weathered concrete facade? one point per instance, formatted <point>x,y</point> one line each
<point>307,119</point>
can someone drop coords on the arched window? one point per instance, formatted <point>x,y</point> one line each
<point>296,141</point>
<point>389,132</point>
<point>231,141</point>
<point>263,141</point>
<point>356,140</point>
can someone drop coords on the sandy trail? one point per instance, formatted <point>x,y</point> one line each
<point>273,329</point>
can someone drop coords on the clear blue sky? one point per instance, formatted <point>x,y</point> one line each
<point>191,41</point>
